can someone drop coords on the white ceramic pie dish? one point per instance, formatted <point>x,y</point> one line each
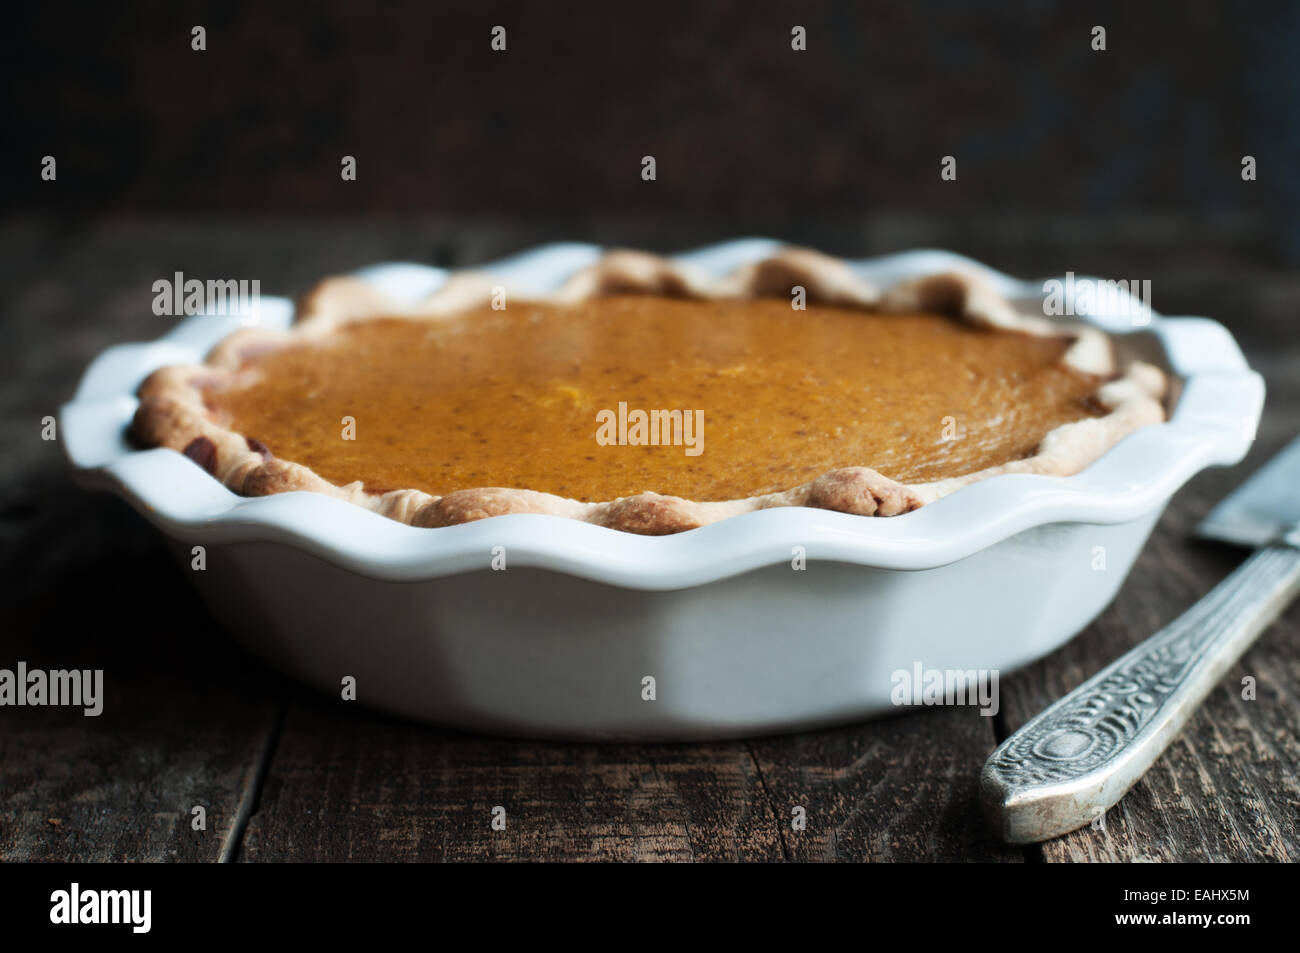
<point>558,644</point>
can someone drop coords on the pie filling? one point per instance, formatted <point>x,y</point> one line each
<point>545,397</point>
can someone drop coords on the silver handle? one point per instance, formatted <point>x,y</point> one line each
<point>1067,766</point>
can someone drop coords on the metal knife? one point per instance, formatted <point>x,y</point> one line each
<point>1069,765</point>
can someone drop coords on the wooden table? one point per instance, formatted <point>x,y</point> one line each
<point>285,774</point>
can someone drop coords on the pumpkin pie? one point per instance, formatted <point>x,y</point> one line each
<point>646,398</point>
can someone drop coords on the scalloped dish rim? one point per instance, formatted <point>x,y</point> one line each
<point>1212,423</point>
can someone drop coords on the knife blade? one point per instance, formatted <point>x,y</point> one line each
<point>1263,507</point>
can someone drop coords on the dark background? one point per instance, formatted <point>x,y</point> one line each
<point>742,127</point>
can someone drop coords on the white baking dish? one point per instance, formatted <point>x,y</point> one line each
<point>737,640</point>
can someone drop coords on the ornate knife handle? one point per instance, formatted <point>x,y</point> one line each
<point>1070,764</point>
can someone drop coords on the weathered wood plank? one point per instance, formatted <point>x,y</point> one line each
<point>1229,788</point>
<point>183,712</point>
<point>896,789</point>
<point>189,715</point>
<point>347,784</point>
<point>88,585</point>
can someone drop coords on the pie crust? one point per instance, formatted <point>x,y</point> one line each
<point>173,411</point>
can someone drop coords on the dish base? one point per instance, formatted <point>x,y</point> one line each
<point>535,653</point>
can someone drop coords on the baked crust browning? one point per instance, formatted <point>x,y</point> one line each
<point>173,412</point>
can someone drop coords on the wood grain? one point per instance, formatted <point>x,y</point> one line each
<point>1228,788</point>
<point>346,783</point>
<point>896,789</point>
<point>192,720</point>
<point>349,784</point>
<point>184,714</point>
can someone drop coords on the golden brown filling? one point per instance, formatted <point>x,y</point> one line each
<point>529,397</point>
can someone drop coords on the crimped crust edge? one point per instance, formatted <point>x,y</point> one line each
<point>172,413</point>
